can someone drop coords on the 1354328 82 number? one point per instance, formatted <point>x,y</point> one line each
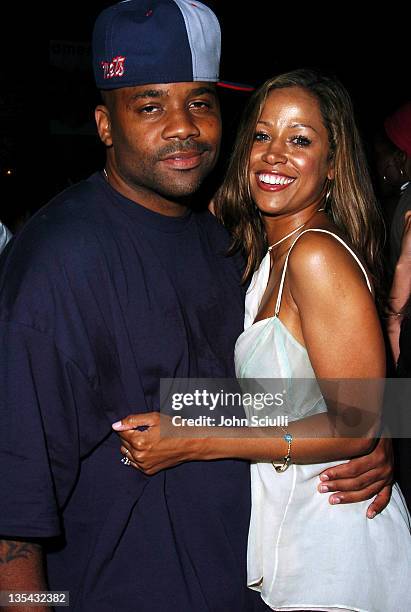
<point>48,598</point>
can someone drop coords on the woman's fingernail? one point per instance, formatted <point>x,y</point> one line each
<point>323,488</point>
<point>324,477</point>
<point>335,500</point>
<point>116,425</point>
<point>371,514</point>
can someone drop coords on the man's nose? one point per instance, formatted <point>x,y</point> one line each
<point>180,124</point>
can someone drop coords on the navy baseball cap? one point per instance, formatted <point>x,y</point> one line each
<point>138,42</point>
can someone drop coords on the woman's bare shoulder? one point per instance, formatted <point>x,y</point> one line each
<point>318,259</point>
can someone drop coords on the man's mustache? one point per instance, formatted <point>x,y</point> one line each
<point>186,146</point>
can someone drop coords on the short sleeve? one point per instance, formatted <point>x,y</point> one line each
<point>43,398</point>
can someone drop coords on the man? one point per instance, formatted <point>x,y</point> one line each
<point>110,287</point>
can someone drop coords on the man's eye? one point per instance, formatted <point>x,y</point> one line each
<point>301,141</point>
<point>200,104</point>
<point>150,108</point>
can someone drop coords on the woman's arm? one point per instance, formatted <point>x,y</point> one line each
<point>343,337</point>
<point>400,289</point>
<point>344,341</point>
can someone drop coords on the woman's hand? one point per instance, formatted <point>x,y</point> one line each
<point>150,444</point>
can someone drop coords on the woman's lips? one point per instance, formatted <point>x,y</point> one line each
<point>268,181</point>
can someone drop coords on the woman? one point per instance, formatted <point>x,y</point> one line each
<point>296,185</point>
<point>312,313</point>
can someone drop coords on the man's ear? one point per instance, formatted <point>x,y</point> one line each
<point>102,117</point>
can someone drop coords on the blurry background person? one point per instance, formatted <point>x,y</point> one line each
<point>400,298</point>
<point>5,236</point>
<point>399,334</point>
<point>388,178</point>
<point>393,149</point>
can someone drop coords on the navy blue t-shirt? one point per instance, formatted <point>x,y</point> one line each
<point>100,298</point>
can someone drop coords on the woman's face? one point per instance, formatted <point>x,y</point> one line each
<point>289,161</point>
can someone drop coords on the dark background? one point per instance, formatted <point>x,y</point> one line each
<point>47,95</point>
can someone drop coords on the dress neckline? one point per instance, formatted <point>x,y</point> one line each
<point>267,320</point>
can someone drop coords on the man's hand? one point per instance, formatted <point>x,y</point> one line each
<point>362,478</point>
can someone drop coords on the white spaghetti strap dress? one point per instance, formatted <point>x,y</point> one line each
<point>303,553</point>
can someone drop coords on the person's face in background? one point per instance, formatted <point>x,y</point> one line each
<point>162,139</point>
<point>389,163</point>
<point>290,157</point>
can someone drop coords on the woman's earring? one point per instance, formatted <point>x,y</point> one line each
<point>327,196</point>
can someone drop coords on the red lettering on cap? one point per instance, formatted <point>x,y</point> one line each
<point>115,68</point>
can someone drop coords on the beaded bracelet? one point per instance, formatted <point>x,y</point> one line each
<point>281,467</point>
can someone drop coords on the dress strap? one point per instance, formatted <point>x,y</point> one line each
<point>281,287</point>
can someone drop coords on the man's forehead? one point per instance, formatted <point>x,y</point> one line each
<point>168,90</point>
